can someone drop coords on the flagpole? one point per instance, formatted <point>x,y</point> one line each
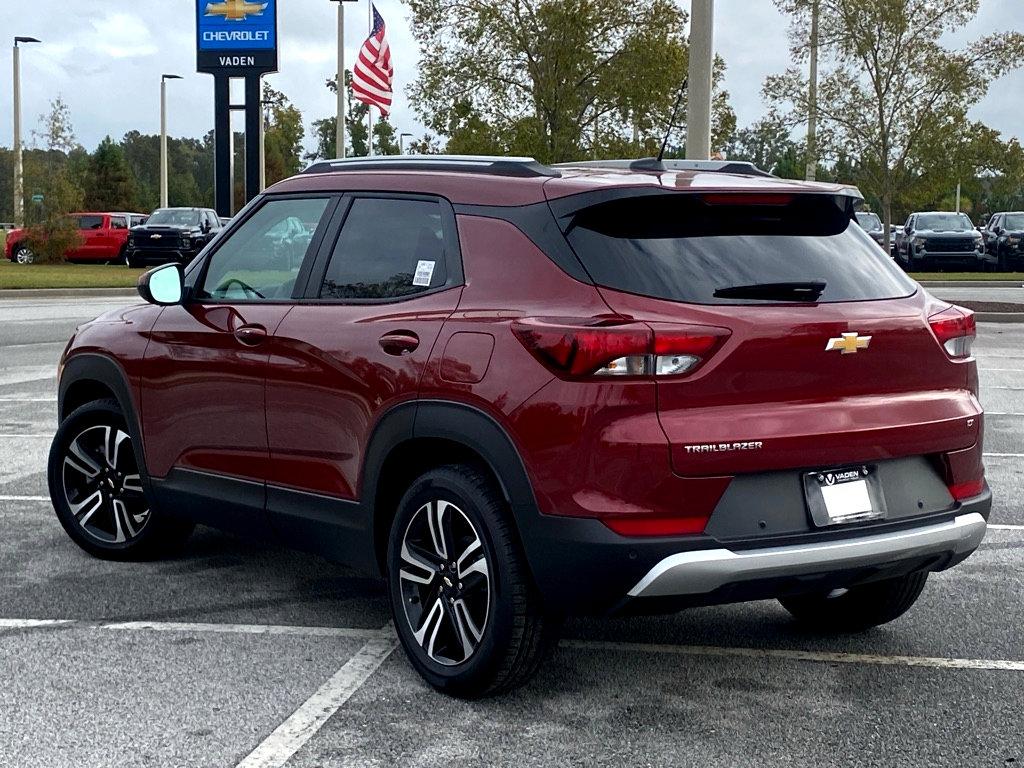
<point>369,107</point>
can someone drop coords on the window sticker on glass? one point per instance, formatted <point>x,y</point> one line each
<point>424,273</point>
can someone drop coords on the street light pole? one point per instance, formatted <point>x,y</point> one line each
<point>19,179</point>
<point>163,136</point>
<point>401,142</point>
<point>812,100</point>
<point>702,55</point>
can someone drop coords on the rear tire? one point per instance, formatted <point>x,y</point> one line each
<point>858,608</point>
<point>465,609</point>
<point>98,489</point>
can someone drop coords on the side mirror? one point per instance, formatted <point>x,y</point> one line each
<point>163,286</point>
<point>206,227</point>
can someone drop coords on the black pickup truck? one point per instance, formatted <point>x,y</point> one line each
<point>941,238</point>
<point>171,234</point>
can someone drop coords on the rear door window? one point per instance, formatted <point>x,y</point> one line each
<point>685,247</point>
<point>388,248</point>
<point>90,222</point>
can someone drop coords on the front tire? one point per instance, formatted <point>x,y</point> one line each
<point>858,608</point>
<point>466,612</point>
<point>97,489</point>
<point>23,255</point>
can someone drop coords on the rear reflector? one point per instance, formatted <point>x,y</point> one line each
<point>967,490</point>
<point>655,526</point>
<point>613,347</point>
<point>955,329</point>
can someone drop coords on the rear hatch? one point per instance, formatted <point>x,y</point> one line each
<point>827,355</point>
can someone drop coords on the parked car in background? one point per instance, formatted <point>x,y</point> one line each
<point>224,220</point>
<point>1004,239</point>
<point>172,234</point>
<point>517,391</point>
<point>939,239</point>
<point>104,238</point>
<point>872,224</point>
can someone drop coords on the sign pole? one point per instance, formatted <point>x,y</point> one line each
<point>341,79</point>
<point>237,39</point>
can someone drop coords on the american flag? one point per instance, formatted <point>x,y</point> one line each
<point>373,73</point>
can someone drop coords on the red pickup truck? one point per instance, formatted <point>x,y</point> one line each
<point>103,238</point>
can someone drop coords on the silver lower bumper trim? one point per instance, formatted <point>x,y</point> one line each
<point>694,573</point>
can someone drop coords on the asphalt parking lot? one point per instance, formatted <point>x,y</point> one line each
<point>239,653</point>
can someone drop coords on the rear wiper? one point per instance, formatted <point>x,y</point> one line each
<point>793,291</point>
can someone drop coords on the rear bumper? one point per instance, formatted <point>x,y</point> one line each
<point>691,573</point>
<point>581,567</point>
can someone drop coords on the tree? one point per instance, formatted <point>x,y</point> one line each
<point>326,130</point>
<point>50,232</point>
<point>889,93</point>
<point>110,184</point>
<point>557,79</point>
<point>282,135</point>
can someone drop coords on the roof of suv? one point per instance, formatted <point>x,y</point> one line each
<point>485,180</point>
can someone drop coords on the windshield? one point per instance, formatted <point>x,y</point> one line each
<point>170,217</point>
<point>1014,221</point>
<point>684,247</point>
<point>869,221</point>
<point>944,222</point>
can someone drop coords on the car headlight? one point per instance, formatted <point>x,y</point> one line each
<point>979,242</point>
<point>1013,239</point>
<point>186,241</point>
<point>920,241</point>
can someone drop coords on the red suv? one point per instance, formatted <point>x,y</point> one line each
<point>518,391</point>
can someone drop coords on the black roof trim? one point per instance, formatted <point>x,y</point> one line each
<point>521,167</point>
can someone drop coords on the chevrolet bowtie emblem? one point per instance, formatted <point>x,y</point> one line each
<point>235,10</point>
<point>848,343</point>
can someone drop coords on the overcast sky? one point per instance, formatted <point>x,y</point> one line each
<point>106,56</point>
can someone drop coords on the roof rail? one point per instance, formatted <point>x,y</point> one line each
<point>653,164</point>
<point>523,167</point>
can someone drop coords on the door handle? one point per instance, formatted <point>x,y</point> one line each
<point>251,335</point>
<point>399,343</point>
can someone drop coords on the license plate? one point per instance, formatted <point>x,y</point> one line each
<point>848,495</point>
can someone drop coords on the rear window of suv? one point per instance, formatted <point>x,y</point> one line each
<point>685,247</point>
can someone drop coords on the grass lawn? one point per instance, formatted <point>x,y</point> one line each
<point>66,276</point>
<point>919,276</point>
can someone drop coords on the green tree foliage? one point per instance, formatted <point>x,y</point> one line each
<point>385,140</point>
<point>557,79</point>
<point>48,173</point>
<point>889,93</point>
<point>283,133</point>
<point>109,185</point>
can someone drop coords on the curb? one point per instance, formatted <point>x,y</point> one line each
<point>71,293</point>
<point>999,317</point>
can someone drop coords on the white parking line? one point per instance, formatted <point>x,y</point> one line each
<point>289,737</point>
<point>244,629</point>
<point>1003,455</point>
<point>28,399</point>
<point>29,435</point>
<point>24,498</point>
<point>995,527</point>
<point>794,655</point>
<point>30,623</point>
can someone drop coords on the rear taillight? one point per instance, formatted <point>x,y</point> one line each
<point>955,329</point>
<point>967,490</point>
<point>611,347</point>
<point>656,526</point>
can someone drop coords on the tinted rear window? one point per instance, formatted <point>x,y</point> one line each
<point>682,247</point>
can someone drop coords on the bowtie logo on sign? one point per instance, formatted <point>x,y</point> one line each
<point>235,10</point>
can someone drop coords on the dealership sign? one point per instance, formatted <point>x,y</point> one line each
<point>236,37</point>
